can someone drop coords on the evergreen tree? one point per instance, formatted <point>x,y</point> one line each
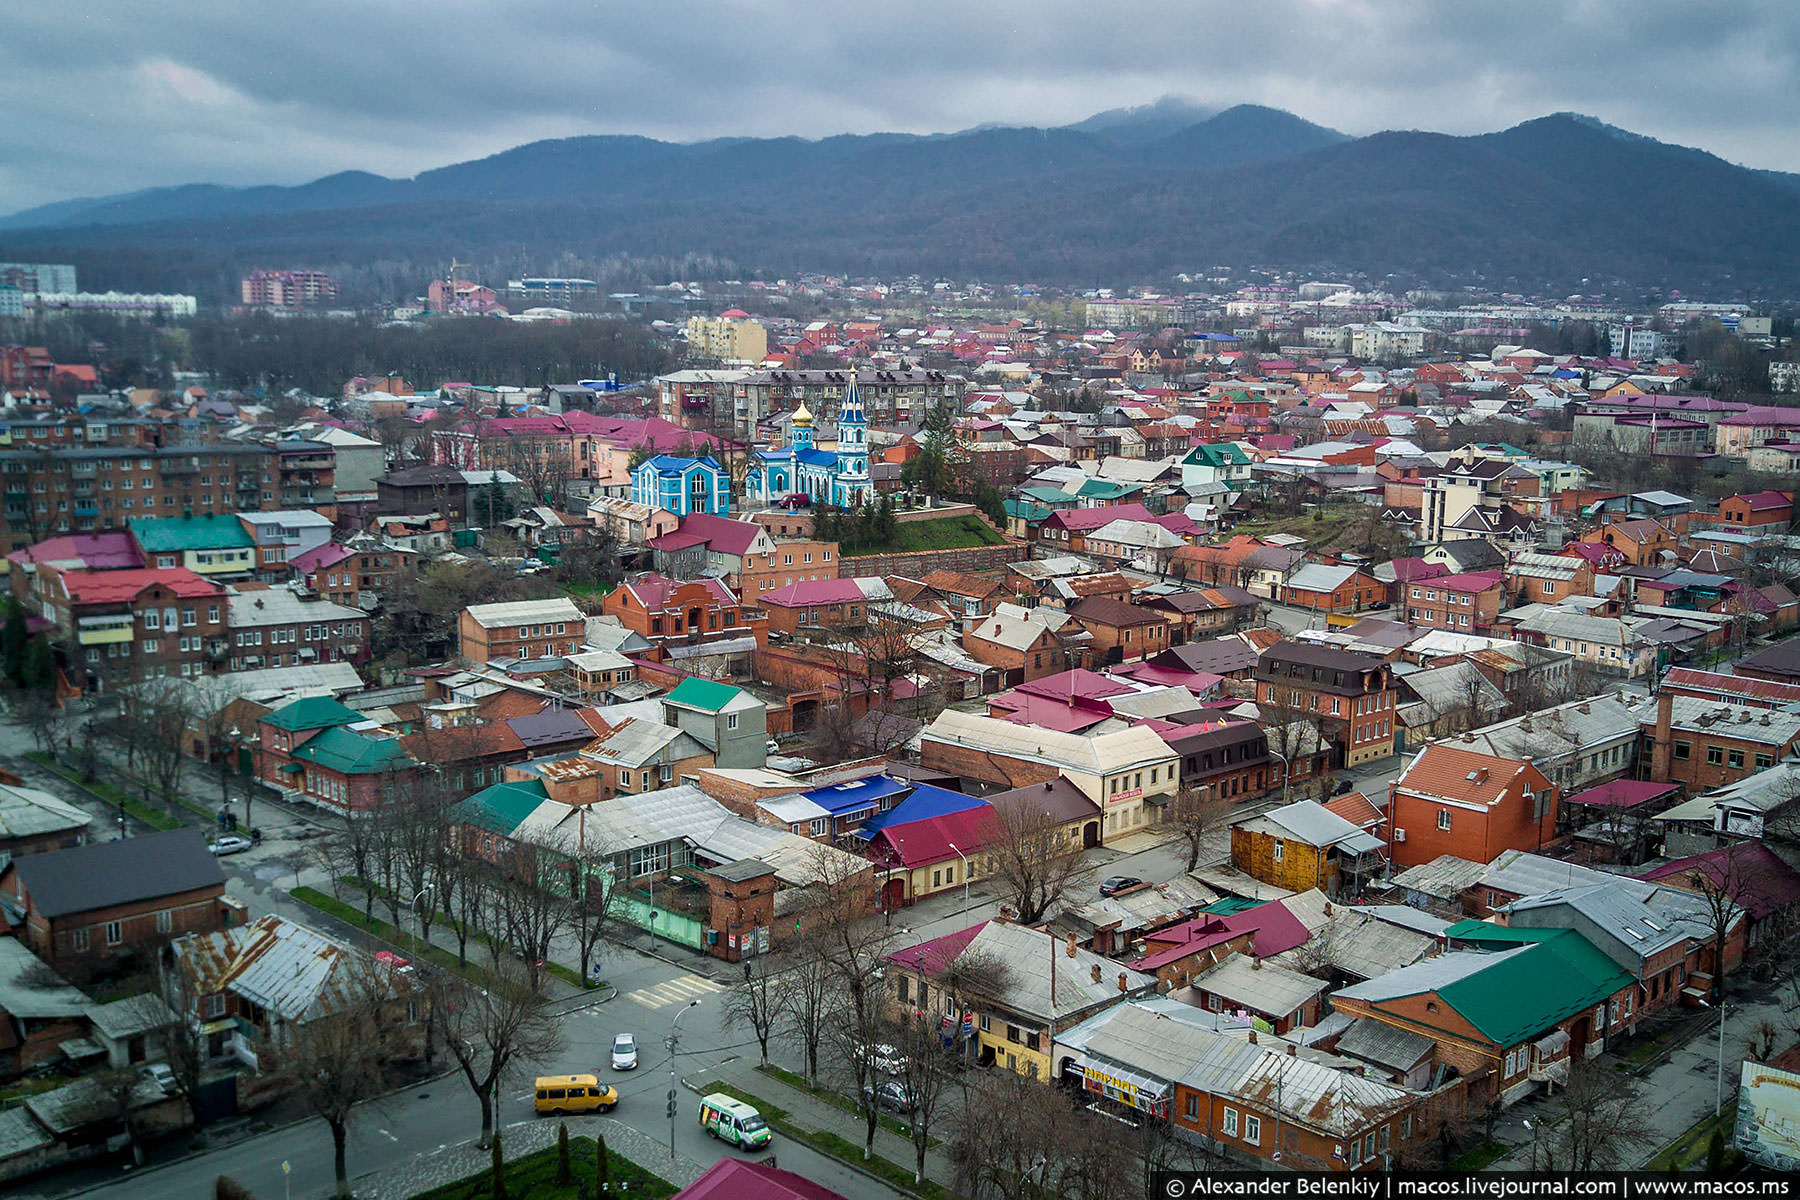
<point>497,1174</point>
<point>889,523</point>
<point>989,501</point>
<point>563,1174</point>
<point>40,668</point>
<point>1715,1154</point>
<point>602,1165</point>
<point>12,643</point>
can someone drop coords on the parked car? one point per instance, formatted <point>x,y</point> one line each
<point>162,1076</point>
<point>890,1094</point>
<point>624,1053</point>
<point>229,843</point>
<point>389,958</point>
<point>883,1058</point>
<point>1115,884</point>
<point>1344,787</point>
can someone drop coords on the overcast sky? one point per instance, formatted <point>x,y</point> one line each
<point>99,98</point>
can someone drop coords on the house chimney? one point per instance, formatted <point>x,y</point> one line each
<point>1096,972</point>
<point>1328,908</point>
<point>1256,964</point>
<point>1122,978</point>
<point>1293,1050</point>
<point>1072,946</point>
<point>1253,1037</point>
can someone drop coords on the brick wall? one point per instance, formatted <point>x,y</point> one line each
<point>985,765</point>
<point>919,563</point>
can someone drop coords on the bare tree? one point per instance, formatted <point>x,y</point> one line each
<point>927,1077</point>
<point>1194,814</point>
<point>463,890</point>
<point>593,901</point>
<point>351,852</point>
<point>1603,1124</point>
<point>163,712</point>
<point>1721,912</point>
<point>490,1031</point>
<point>338,1060</point>
<point>1011,1134</point>
<point>805,998</point>
<point>532,900</point>
<point>757,1004</point>
<point>1033,858</point>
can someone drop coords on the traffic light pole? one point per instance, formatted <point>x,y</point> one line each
<point>674,1041</point>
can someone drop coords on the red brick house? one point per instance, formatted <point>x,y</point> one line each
<point>664,609</point>
<point>821,604</point>
<point>127,626</point>
<point>1756,510</point>
<point>1023,649</point>
<point>1121,632</point>
<point>89,906</point>
<point>307,747</point>
<point>1473,806</point>
<point>1324,588</point>
<point>1467,603</point>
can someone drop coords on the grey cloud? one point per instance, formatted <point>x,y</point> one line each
<point>120,96</point>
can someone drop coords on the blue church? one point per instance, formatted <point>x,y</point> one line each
<point>837,477</point>
<point>682,486</point>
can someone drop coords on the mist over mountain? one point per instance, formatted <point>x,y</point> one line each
<point>1117,198</point>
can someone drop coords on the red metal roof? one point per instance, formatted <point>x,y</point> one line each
<point>113,587</point>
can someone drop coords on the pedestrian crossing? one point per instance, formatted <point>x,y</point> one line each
<point>676,991</point>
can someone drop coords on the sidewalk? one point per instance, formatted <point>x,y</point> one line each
<point>811,1113</point>
<point>1678,1091</point>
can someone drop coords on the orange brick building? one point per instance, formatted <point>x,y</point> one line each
<point>1455,801</point>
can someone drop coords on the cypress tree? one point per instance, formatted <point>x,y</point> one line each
<point>563,1174</point>
<point>498,1172</point>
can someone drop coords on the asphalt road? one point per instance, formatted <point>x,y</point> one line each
<point>444,1112</point>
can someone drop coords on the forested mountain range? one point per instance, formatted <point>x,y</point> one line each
<point>1562,201</point>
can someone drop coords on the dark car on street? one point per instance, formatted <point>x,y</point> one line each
<point>1118,883</point>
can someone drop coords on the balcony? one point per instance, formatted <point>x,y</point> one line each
<point>98,631</point>
<point>180,466</point>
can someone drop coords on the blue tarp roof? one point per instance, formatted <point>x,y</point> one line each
<point>842,798</point>
<point>925,803</point>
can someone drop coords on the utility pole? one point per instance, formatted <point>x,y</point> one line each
<point>674,1041</point>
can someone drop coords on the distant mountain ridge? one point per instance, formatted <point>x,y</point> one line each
<point>1118,197</point>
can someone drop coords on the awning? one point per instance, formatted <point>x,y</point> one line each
<point>291,768</point>
<point>222,1025</point>
<point>1121,1083</point>
<point>80,1048</point>
<point>1551,1044</point>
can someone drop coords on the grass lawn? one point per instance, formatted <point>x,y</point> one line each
<point>533,1177</point>
<point>840,1148</point>
<point>352,915</point>
<point>1690,1147</point>
<point>838,1100</point>
<point>944,533</point>
<point>156,818</point>
<point>568,975</point>
<point>1320,527</point>
<point>1480,1157</point>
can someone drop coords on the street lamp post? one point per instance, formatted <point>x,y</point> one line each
<point>674,1041</point>
<point>965,867</point>
<point>1287,774</point>
<point>423,938</point>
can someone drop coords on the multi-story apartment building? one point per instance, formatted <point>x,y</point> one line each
<point>731,337</point>
<point>1350,695</point>
<point>273,627</point>
<point>283,535</point>
<point>88,483</point>
<point>120,627</point>
<point>556,290</point>
<point>1467,603</point>
<point>1456,801</point>
<point>287,289</point>
<point>306,474</point>
<point>345,573</point>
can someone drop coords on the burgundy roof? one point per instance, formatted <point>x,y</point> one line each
<point>1078,684</point>
<point>654,590</point>
<point>97,551</point>
<point>934,956</point>
<point>1623,793</point>
<point>721,533</point>
<point>806,592</point>
<point>1043,712</point>
<point>740,1179</point>
<point>1761,883</point>
<point>1277,930</point>
<point>1094,518</point>
<point>921,843</point>
<point>319,557</point>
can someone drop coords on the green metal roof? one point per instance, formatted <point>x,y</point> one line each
<point>1027,511</point>
<point>340,749</point>
<point>216,532</point>
<point>1490,934</point>
<point>1523,994</point>
<point>708,694</point>
<point>1106,489</point>
<point>1229,906</point>
<point>1048,495</point>
<point>315,712</point>
<point>1217,454</point>
<point>502,807</point>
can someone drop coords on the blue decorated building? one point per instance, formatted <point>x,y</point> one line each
<point>682,485</point>
<point>837,477</point>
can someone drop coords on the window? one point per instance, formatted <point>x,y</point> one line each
<point>1406,1127</point>
<point>1764,760</point>
<point>78,940</point>
<point>1443,821</point>
<point>1228,1121</point>
<point>1715,755</point>
<point>1253,1130</point>
<point>115,933</point>
<point>1683,749</point>
<point>937,879</point>
<point>1736,758</point>
<point>1193,1101</point>
<point>215,1006</point>
<point>731,720</point>
<point>1278,849</point>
